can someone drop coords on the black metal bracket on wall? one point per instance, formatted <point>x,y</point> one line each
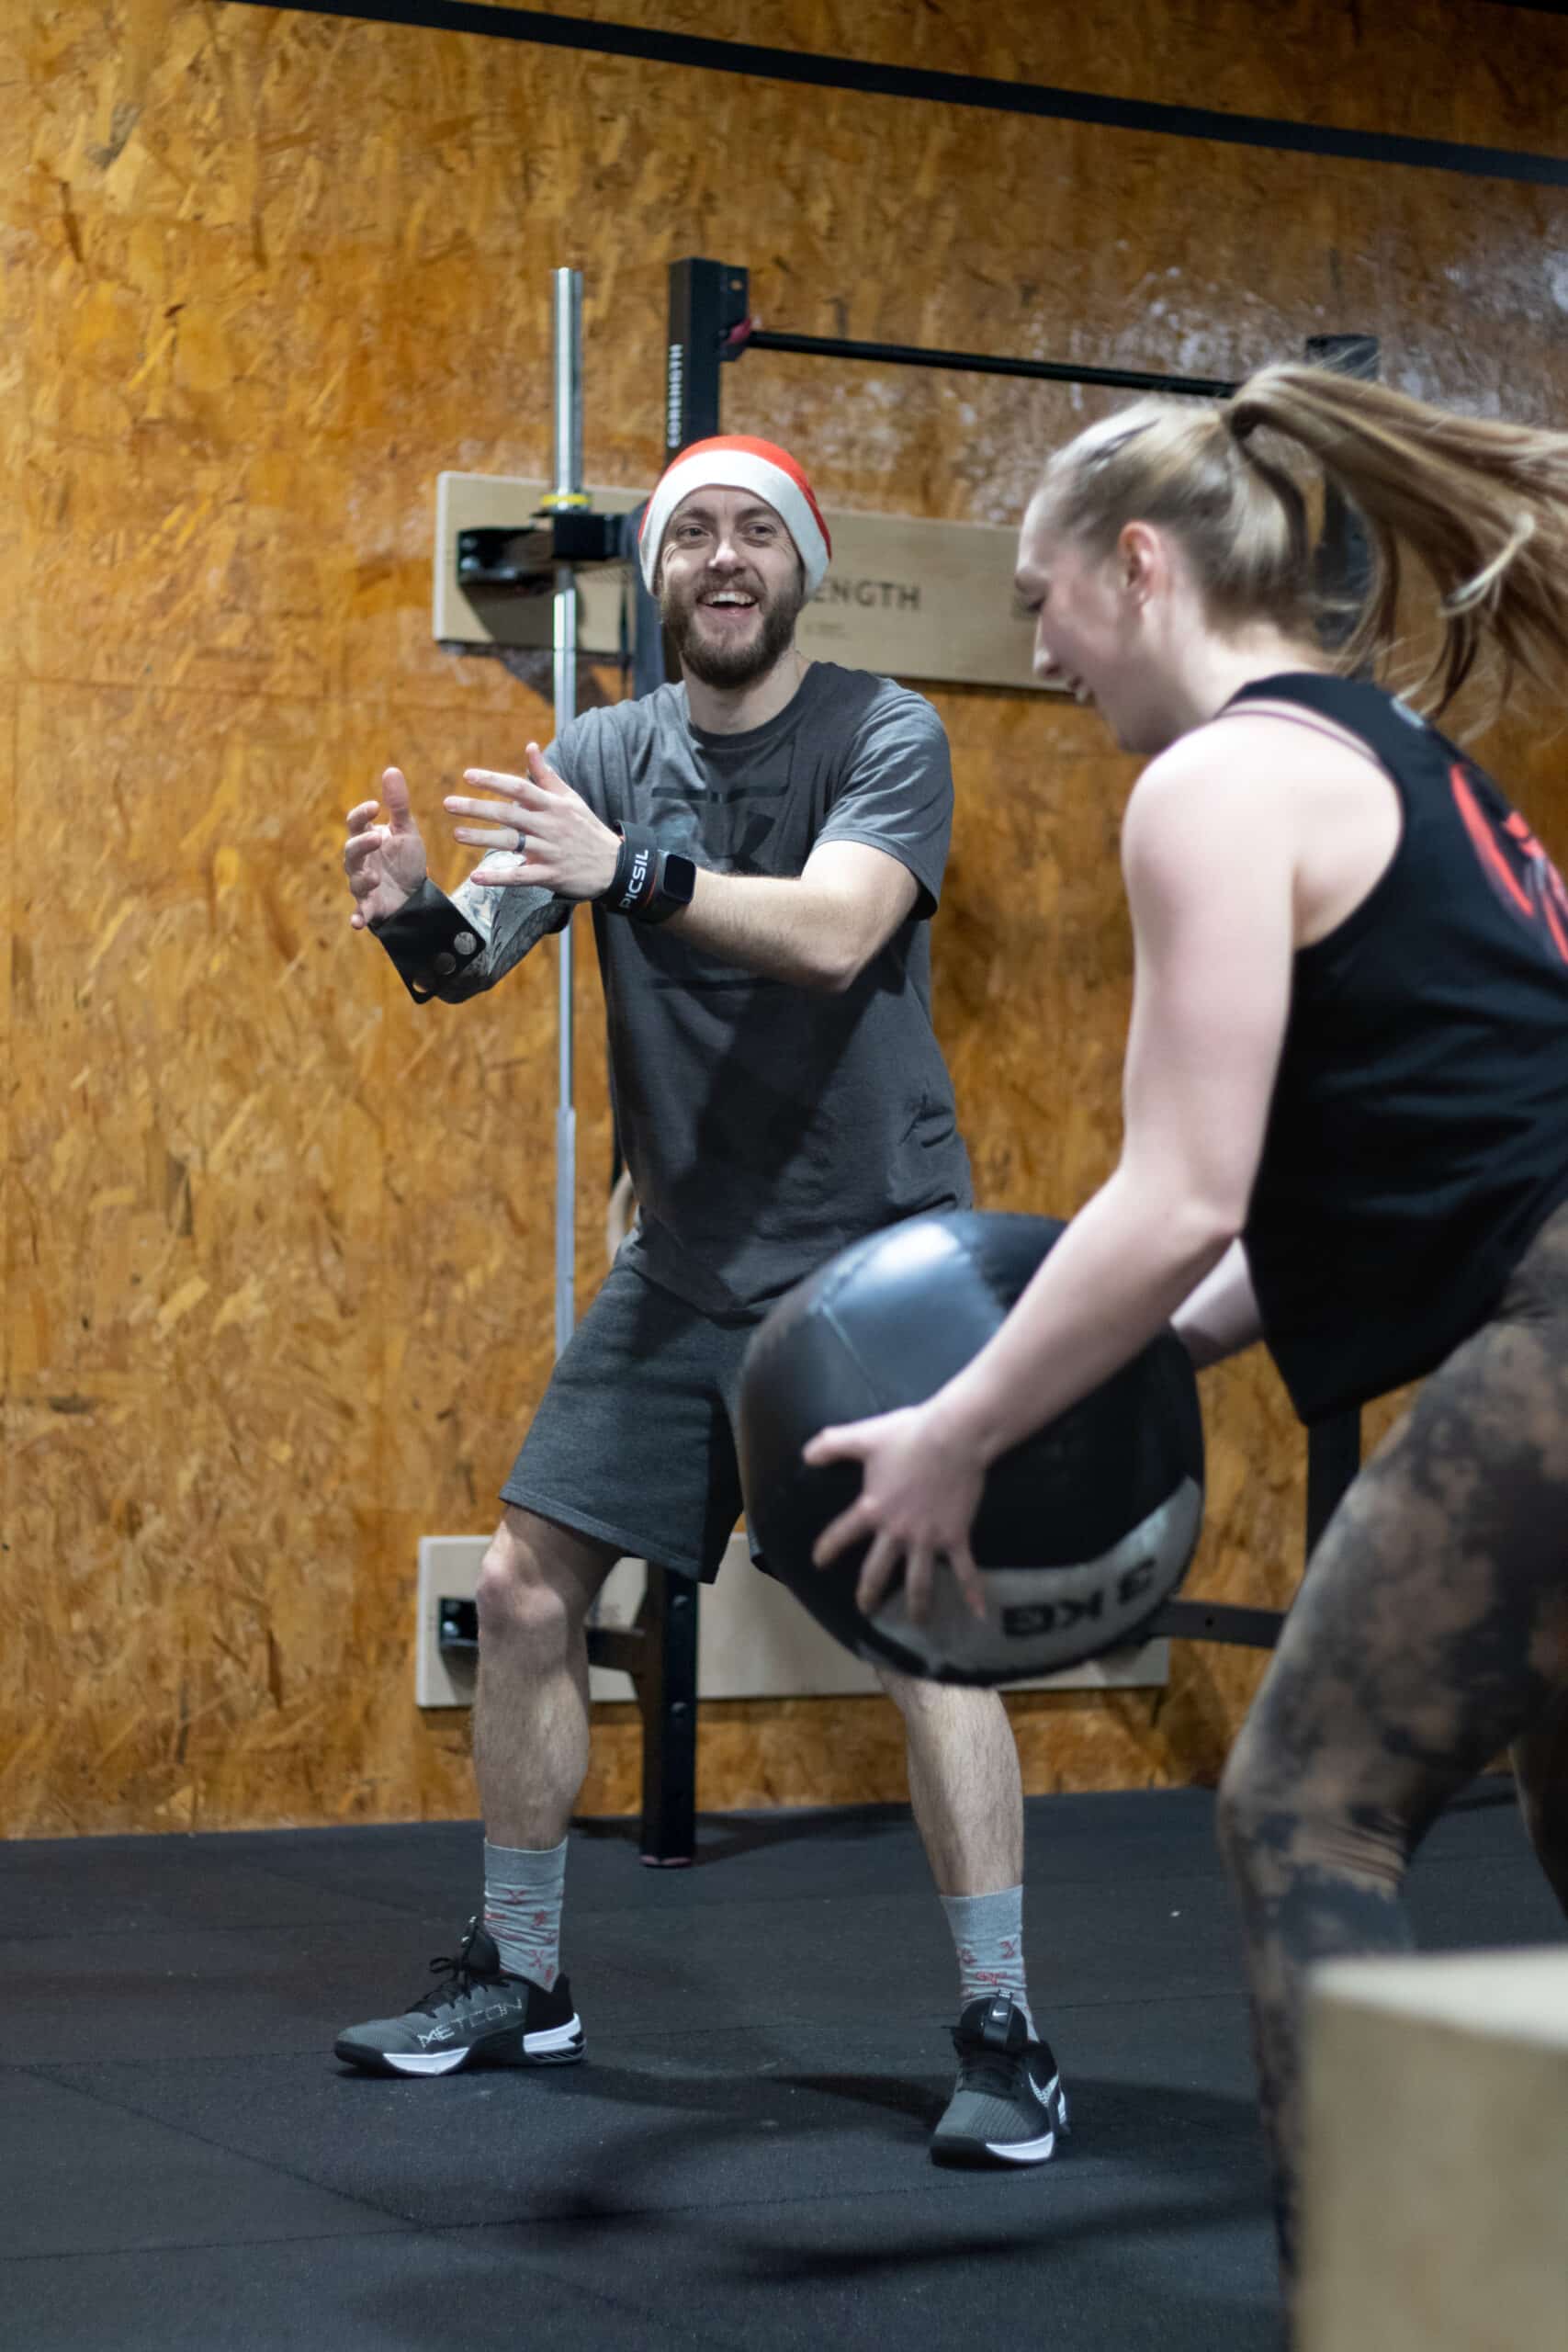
<point>660,1653</point>
<point>709,307</point>
<point>500,561</point>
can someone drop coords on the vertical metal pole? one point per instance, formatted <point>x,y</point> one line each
<point>567,311</point>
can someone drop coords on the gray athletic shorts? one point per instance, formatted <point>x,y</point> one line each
<point>634,1440</point>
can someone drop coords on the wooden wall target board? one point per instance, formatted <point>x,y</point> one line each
<point>904,598</point>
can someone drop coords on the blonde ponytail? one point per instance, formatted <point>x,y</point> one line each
<point>1481,505</point>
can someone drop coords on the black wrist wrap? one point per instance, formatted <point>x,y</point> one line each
<point>428,939</point>
<point>637,889</point>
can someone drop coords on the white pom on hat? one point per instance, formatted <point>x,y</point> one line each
<point>734,461</point>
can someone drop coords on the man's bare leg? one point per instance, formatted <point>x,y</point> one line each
<point>965,1784</point>
<point>535,1587</point>
<point>1007,2107</point>
<point>511,2006</point>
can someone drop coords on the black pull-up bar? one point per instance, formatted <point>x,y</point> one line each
<point>710,323</point>
<point>977,363</point>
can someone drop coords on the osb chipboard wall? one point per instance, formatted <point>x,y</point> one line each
<point>278,1247</point>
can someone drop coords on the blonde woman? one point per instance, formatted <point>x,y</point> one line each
<point>1346,1118</point>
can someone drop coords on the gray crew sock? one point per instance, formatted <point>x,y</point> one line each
<point>988,1935</point>
<point>524,1887</point>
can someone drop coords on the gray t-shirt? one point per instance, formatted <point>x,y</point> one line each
<point>764,1125</point>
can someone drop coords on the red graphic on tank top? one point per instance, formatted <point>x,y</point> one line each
<point>1535,893</point>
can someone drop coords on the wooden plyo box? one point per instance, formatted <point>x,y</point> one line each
<point>1435,2207</point>
<point>903,598</point>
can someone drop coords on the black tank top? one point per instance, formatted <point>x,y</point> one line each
<point>1417,1135</point>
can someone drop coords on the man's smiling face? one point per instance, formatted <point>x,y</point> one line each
<point>731,585</point>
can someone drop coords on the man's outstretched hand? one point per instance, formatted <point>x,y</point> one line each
<point>384,864</point>
<point>540,834</point>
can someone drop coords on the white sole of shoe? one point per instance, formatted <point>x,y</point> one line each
<point>556,2041</point>
<point>1023,2151</point>
<point>554,2045</point>
<point>1037,2151</point>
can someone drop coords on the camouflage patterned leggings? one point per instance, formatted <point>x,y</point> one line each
<point>1430,1633</point>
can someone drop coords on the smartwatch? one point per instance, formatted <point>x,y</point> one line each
<point>649,884</point>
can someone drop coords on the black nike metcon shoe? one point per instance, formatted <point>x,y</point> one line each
<point>1007,2107</point>
<point>475,2015</point>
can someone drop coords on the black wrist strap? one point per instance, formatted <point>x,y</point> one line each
<point>428,939</point>
<point>637,889</point>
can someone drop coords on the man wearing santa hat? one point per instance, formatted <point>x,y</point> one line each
<point>762,846</point>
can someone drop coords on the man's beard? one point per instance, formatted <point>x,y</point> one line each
<point>717,663</point>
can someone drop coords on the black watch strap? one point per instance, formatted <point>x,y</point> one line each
<point>650,884</point>
<point>428,939</point>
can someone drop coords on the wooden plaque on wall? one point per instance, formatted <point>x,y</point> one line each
<point>904,598</point>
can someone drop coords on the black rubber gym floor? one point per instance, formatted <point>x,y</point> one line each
<point>741,2163</point>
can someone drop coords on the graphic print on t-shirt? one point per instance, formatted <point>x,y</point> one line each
<point>1525,881</point>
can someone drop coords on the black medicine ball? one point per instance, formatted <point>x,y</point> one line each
<point>1083,1530</point>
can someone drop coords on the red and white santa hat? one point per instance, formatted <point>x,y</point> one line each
<point>732,461</point>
